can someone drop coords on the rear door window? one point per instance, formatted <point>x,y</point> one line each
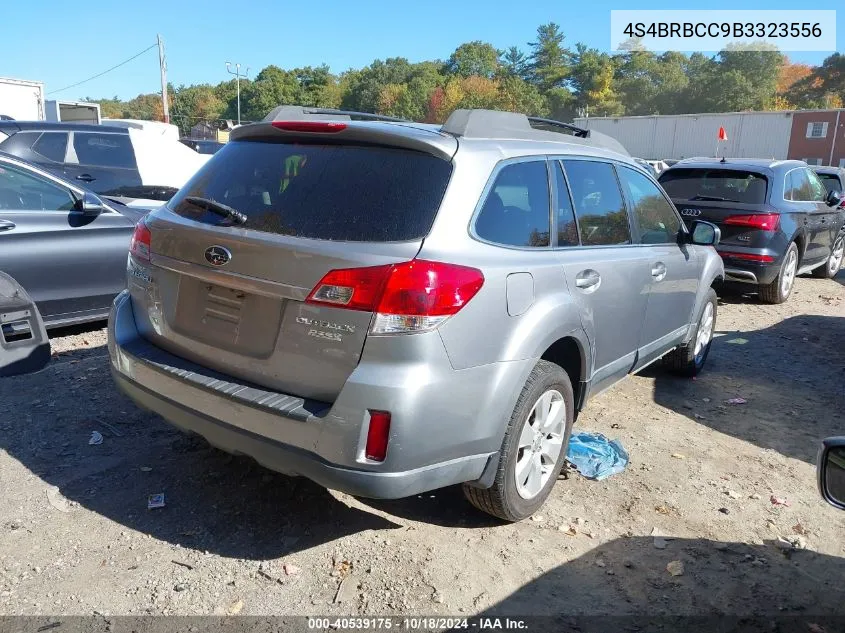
<point>817,190</point>
<point>717,185</point>
<point>52,145</point>
<point>658,222</point>
<point>831,182</point>
<point>516,209</point>
<point>326,192</point>
<point>602,218</point>
<point>104,150</point>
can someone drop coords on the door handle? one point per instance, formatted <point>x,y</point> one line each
<point>658,271</point>
<point>86,177</point>
<point>588,280</point>
<point>5,225</point>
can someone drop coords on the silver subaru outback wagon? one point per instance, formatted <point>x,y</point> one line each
<point>387,307</point>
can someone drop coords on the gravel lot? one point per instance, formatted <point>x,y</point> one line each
<point>76,535</point>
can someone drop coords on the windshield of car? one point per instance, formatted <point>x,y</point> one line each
<point>830,181</point>
<point>718,185</point>
<point>327,192</point>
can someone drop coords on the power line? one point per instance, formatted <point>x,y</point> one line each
<point>104,72</point>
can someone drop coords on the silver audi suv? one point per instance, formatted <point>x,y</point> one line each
<point>387,307</point>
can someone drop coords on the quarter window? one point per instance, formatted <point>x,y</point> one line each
<point>21,191</point>
<point>516,210</point>
<point>51,145</point>
<point>657,220</point>
<point>602,218</point>
<point>798,187</point>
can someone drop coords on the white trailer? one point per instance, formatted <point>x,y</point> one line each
<point>661,137</point>
<point>21,100</point>
<point>72,112</point>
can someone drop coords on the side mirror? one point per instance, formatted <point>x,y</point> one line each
<point>833,198</point>
<point>89,204</point>
<point>705,233</point>
<point>830,470</point>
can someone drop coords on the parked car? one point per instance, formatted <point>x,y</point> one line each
<point>833,179</point>
<point>830,470</point>
<point>109,160</point>
<point>776,218</point>
<point>63,244</point>
<point>202,146</point>
<point>401,308</point>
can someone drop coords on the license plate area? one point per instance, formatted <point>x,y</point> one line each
<point>228,318</point>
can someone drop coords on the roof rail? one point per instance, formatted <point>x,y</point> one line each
<point>305,113</point>
<point>487,124</point>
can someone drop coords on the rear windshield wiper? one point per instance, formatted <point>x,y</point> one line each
<point>713,198</point>
<point>219,208</point>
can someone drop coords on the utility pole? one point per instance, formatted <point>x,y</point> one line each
<point>238,76</point>
<point>163,67</point>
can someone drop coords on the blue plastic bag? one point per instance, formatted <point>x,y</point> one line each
<point>595,456</point>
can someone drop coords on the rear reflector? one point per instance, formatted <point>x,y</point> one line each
<point>378,435</point>
<point>413,296</point>
<point>320,127</point>
<point>748,257</point>
<point>762,221</point>
<point>140,244</point>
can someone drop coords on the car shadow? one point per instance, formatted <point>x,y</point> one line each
<point>625,585</point>
<point>790,376</point>
<point>217,502</point>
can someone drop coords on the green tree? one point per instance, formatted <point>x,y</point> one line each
<point>476,58</point>
<point>192,104</point>
<point>318,86</point>
<point>824,87</point>
<point>550,60</point>
<point>747,79</point>
<point>592,81</point>
<point>517,95</point>
<point>513,63</point>
<point>365,86</point>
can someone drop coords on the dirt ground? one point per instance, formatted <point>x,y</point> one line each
<point>76,536</point>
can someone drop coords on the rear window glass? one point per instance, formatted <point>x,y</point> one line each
<point>326,192</point>
<point>718,185</point>
<point>830,182</point>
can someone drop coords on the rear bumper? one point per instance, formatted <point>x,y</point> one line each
<point>444,431</point>
<point>748,272</point>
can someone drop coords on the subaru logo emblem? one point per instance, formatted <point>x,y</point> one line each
<point>217,255</point>
<point>691,213</point>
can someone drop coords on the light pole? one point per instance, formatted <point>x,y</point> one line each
<point>238,76</point>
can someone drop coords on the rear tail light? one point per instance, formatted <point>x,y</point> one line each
<point>749,257</point>
<point>378,435</point>
<point>762,221</point>
<point>140,244</point>
<point>413,296</point>
<point>321,127</point>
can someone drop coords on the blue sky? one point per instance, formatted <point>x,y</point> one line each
<point>59,43</point>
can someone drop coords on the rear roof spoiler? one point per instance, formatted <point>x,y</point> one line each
<point>304,113</point>
<point>487,124</point>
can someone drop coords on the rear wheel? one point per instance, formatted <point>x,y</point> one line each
<point>533,449</point>
<point>834,262</point>
<point>779,290</point>
<point>689,359</point>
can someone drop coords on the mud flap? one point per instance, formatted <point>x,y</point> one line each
<point>24,346</point>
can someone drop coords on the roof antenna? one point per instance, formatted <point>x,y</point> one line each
<point>723,160</point>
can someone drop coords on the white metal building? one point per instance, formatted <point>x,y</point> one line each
<point>750,134</point>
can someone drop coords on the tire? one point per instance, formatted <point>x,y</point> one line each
<point>834,262</point>
<point>505,498</point>
<point>683,359</point>
<point>779,290</point>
